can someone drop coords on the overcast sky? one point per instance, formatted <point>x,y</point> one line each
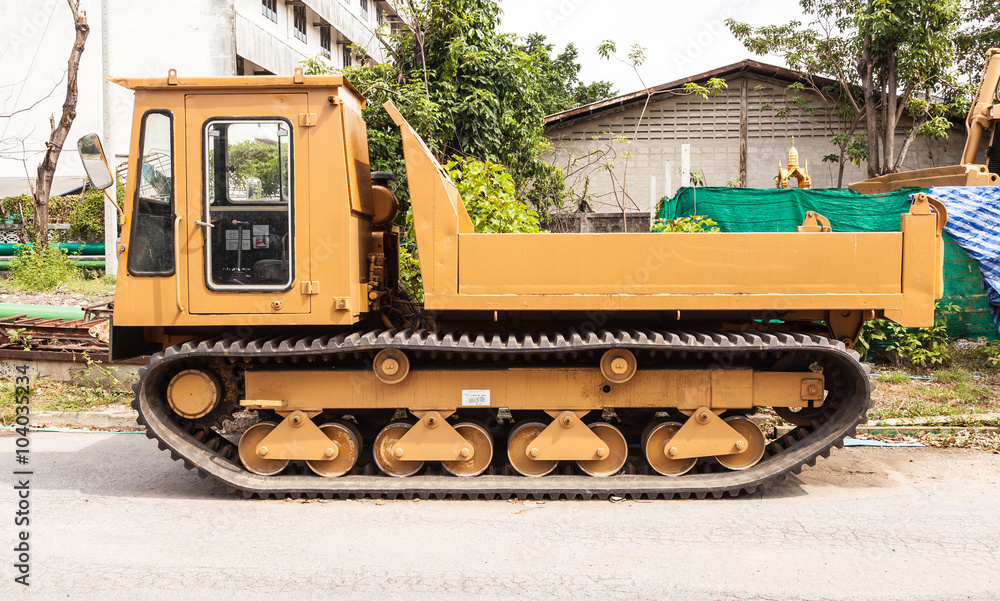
<point>682,37</point>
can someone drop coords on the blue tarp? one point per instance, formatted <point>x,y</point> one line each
<point>863,442</point>
<point>974,223</point>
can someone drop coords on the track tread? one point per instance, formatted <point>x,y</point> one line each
<point>794,449</point>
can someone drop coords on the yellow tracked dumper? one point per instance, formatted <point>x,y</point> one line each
<point>259,268</point>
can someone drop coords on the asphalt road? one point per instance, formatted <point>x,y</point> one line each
<point>113,518</point>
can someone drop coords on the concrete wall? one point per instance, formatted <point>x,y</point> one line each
<point>593,154</point>
<point>585,222</point>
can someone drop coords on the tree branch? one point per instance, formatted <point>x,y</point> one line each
<point>47,168</point>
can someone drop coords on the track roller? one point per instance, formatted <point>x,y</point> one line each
<point>385,459</point>
<point>653,443</point>
<point>617,452</point>
<point>348,441</point>
<point>755,445</point>
<point>482,443</point>
<point>520,439</point>
<point>250,454</point>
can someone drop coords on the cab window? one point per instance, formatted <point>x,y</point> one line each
<point>248,204</point>
<point>152,235</point>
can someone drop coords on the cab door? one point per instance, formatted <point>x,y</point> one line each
<point>247,221</point>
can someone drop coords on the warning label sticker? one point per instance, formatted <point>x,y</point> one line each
<point>475,398</point>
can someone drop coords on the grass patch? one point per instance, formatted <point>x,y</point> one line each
<point>48,395</point>
<point>47,268</point>
<point>893,377</point>
<point>970,385</point>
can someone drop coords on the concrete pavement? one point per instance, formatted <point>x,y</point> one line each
<point>114,518</point>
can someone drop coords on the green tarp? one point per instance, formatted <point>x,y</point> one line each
<point>765,210</point>
<point>773,210</point>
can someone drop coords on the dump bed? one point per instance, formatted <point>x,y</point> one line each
<point>897,274</point>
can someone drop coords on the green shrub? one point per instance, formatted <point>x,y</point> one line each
<point>922,347</point>
<point>490,198</point>
<point>84,213</point>
<point>43,269</point>
<point>689,224</point>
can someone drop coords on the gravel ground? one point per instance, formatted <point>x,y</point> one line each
<point>56,298</point>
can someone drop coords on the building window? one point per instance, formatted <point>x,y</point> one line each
<point>299,22</point>
<point>381,16</point>
<point>269,8</point>
<point>347,55</point>
<point>324,41</point>
<point>364,9</point>
<point>241,68</point>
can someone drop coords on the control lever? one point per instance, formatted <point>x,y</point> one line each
<point>203,223</point>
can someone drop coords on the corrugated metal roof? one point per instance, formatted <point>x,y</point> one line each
<point>748,66</point>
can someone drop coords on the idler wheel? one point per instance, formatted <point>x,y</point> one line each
<point>612,463</point>
<point>654,440</point>
<point>482,446</point>
<point>517,450</point>
<point>348,442</point>
<point>385,459</point>
<point>250,455</point>
<point>193,393</point>
<point>755,445</point>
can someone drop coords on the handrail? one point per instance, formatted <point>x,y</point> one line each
<point>177,260</point>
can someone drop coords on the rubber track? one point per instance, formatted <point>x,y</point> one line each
<point>786,455</point>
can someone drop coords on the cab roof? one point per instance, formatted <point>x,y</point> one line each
<point>172,82</point>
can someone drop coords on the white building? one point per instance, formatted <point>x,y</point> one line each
<point>739,135</point>
<point>146,38</point>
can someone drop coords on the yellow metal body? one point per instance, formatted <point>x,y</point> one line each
<point>542,388</point>
<point>883,273</point>
<point>984,114</point>
<point>567,438</point>
<point>336,252</point>
<point>297,437</point>
<point>332,205</point>
<point>465,271</point>
<point>704,434</point>
<point>433,439</point>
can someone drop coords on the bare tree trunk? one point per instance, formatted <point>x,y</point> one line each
<point>60,129</point>
<point>866,70</point>
<point>889,119</point>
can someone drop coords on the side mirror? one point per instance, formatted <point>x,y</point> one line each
<point>94,162</point>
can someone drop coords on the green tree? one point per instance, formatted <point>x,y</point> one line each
<point>559,77</point>
<point>467,89</point>
<point>980,31</point>
<point>253,158</point>
<point>489,196</point>
<point>890,57</point>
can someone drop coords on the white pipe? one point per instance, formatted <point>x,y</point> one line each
<point>685,165</point>
<point>110,208</point>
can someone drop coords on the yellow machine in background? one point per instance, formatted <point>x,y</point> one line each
<point>259,268</point>
<point>981,124</point>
